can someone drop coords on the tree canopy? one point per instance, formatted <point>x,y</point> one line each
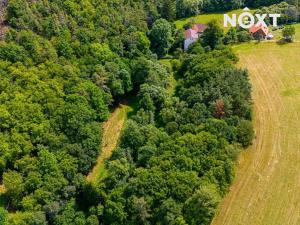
<point>65,64</point>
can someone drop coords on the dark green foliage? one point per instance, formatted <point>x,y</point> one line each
<point>231,36</point>
<point>12,52</point>
<point>213,35</point>
<point>161,37</point>
<point>62,65</point>
<point>206,198</point>
<point>222,5</point>
<point>186,8</point>
<point>244,36</point>
<point>256,3</point>
<point>169,10</point>
<point>174,170</point>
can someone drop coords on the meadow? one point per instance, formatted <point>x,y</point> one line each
<point>266,189</point>
<point>205,18</point>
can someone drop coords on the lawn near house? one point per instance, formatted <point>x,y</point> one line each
<point>266,188</point>
<point>205,18</point>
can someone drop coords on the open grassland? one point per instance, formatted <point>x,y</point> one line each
<point>266,189</point>
<point>111,132</point>
<point>205,18</point>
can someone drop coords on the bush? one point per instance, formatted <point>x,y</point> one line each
<point>244,36</point>
<point>288,33</point>
<point>245,133</point>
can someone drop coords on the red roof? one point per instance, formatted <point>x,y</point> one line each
<point>199,27</point>
<point>190,33</point>
<point>262,27</point>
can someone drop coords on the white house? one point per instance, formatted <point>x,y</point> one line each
<point>190,36</point>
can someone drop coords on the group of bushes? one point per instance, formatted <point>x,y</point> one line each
<point>289,13</point>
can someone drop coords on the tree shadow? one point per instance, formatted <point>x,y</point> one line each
<point>283,41</point>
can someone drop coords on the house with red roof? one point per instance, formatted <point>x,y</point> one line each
<point>192,35</point>
<point>200,28</point>
<point>260,31</point>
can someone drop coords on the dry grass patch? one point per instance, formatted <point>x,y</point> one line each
<point>266,189</point>
<point>111,133</point>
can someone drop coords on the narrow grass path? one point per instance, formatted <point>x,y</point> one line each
<point>266,189</point>
<point>113,126</point>
<point>111,133</point>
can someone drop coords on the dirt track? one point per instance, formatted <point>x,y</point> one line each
<point>266,190</point>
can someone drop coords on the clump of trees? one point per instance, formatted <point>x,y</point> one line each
<point>186,8</point>
<point>161,37</point>
<point>289,12</point>
<point>288,33</point>
<point>176,155</point>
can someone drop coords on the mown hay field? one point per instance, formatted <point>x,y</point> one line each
<point>266,190</point>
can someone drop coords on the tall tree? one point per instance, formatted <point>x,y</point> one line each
<point>161,37</point>
<point>169,10</point>
<point>213,35</point>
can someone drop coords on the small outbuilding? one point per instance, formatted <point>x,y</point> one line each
<point>259,32</point>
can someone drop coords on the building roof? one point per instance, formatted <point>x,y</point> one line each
<point>199,27</point>
<point>190,33</point>
<point>261,27</point>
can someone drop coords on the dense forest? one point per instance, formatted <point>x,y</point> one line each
<point>65,64</point>
<point>184,8</point>
<point>176,156</point>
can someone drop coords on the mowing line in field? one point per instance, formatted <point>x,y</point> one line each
<point>266,189</point>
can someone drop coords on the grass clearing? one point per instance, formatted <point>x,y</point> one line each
<point>205,18</point>
<point>111,132</point>
<point>266,188</point>
<point>172,81</point>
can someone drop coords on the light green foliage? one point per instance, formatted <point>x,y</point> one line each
<point>245,132</point>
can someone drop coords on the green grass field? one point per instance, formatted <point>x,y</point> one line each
<point>266,189</point>
<point>205,18</point>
